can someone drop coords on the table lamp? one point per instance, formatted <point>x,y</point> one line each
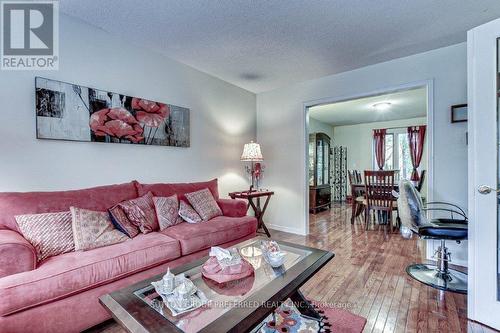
<point>252,153</point>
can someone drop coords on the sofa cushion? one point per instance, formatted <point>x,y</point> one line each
<point>121,221</point>
<point>141,212</point>
<point>166,190</point>
<point>188,214</point>
<point>97,198</point>
<point>92,229</point>
<point>204,204</point>
<point>71,273</point>
<point>49,233</point>
<point>219,230</point>
<point>167,211</point>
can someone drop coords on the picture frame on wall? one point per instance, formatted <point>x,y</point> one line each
<point>459,113</point>
<point>71,112</point>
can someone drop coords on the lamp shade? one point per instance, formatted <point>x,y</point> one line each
<point>251,152</point>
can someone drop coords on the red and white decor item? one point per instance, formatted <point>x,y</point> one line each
<point>226,265</point>
<point>252,153</point>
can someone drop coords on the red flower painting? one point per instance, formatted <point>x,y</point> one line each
<point>116,122</point>
<point>150,113</point>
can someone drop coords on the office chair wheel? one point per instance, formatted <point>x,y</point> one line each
<point>449,280</point>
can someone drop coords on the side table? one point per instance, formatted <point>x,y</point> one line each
<point>253,197</point>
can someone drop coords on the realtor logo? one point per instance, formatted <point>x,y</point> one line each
<point>30,35</point>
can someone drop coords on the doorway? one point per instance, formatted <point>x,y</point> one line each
<point>349,123</point>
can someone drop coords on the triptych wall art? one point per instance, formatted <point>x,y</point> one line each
<point>67,111</point>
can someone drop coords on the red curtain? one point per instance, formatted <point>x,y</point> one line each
<point>379,140</point>
<point>416,138</point>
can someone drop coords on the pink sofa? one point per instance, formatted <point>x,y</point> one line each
<point>61,293</point>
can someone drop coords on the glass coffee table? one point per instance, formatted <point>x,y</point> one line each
<point>236,306</point>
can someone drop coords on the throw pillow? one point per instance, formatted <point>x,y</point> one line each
<point>121,221</point>
<point>93,229</point>
<point>204,203</point>
<point>167,211</point>
<point>188,214</point>
<point>141,212</point>
<point>49,233</point>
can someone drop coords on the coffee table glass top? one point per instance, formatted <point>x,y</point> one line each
<point>224,297</point>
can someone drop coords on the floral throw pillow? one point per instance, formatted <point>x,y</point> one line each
<point>188,214</point>
<point>141,212</point>
<point>167,211</point>
<point>204,204</point>
<point>121,221</point>
<point>49,233</point>
<point>93,229</point>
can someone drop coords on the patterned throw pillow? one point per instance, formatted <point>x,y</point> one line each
<point>141,212</point>
<point>204,203</point>
<point>188,214</point>
<point>121,221</point>
<point>167,211</point>
<point>49,233</point>
<point>93,229</point>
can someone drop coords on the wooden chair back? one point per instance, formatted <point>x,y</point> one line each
<point>350,174</point>
<point>354,177</point>
<point>359,178</point>
<point>378,190</point>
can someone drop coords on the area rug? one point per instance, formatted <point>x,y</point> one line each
<point>287,319</point>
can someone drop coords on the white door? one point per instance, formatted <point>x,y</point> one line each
<point>483,59</point>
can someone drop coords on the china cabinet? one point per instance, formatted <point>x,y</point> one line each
<point>320,193</point>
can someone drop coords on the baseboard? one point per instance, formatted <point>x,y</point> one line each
<point>292,230</point>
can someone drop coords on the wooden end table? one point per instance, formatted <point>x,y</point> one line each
<point>253,197</point>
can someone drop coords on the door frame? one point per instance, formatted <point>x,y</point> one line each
<point>427,84</point>
<point>477,308</point>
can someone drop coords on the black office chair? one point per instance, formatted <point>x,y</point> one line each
<point>414,221</point>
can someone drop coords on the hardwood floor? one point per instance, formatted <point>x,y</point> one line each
<point>368,277</point>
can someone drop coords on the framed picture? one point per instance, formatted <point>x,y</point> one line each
<point>459,113</point>
<point>66,111</point>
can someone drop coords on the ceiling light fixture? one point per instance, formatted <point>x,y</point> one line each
<point>382,106</point>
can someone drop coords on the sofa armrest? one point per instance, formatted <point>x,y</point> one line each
<point>233,208</point>
<point>16,254</point>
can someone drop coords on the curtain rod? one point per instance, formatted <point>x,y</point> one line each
<point>389,128</point>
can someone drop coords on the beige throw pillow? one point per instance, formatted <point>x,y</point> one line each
<point>49,233</point>
<point>93,229</point>
<point>204,204</point>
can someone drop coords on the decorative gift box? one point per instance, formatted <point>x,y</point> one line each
<point>226,265</point>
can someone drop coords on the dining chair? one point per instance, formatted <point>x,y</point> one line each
<point>356,193</point>
<point>378,197</point>
<point>358,177</point>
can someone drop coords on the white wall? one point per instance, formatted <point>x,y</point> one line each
<point>316,126</point>
<point>358,139</point>
<point>280,123</point>
<point>222,120</point>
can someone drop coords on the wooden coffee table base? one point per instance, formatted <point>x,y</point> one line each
<point>303,305</point>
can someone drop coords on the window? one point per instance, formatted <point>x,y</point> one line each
<point>404,157</point>
<point>389,152</point>
<point>397,153</point>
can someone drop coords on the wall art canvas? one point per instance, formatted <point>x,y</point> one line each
<point>66,111</point>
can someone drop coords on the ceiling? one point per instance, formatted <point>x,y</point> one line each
<point>264,44</point>
<point>404,105</point>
